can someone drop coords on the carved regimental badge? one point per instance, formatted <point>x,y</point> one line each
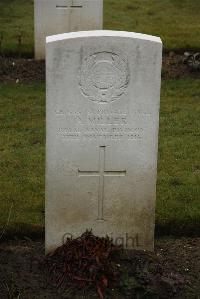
<point>103,77</point>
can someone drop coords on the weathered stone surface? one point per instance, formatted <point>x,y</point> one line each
<point>60,16</point>
<point>103,94</point>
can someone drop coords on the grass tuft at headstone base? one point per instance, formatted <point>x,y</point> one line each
<point>91,263</point>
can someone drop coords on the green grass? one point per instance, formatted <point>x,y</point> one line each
<point>16,18</point>
<point>175,21</point>
<point>22,122</point>
<point>178,188</point>
<point>22,153</point>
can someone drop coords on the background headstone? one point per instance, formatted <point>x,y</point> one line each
<point>103,94</point>
<point>60,16</point>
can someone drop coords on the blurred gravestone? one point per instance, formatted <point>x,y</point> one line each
<point>60,16</point>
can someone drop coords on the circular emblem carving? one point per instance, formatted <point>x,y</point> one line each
<point>104,77</point>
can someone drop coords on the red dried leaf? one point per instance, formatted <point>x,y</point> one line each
<point>104,281</point>
<point>99,291</point>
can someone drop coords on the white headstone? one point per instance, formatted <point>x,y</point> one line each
<point>103,94</point>
<point>60,16</point>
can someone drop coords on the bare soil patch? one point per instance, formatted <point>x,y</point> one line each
<point>21,70</point>
<point>173,67</point>
<point>22,273</point>
<point>30,70</point>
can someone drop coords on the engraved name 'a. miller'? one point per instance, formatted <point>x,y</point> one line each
<point>103,77</point>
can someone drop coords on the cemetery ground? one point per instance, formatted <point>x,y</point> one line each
<point>22,115</point>
<point>22,189</point>
<point>22,151</point>
<point>172,272</point>
<point>176,22</point>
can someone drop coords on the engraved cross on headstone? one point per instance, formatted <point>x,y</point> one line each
<point>101,173</point>
<point>69,4</point>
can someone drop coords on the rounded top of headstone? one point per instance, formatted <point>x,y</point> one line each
<point>102,33</point>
